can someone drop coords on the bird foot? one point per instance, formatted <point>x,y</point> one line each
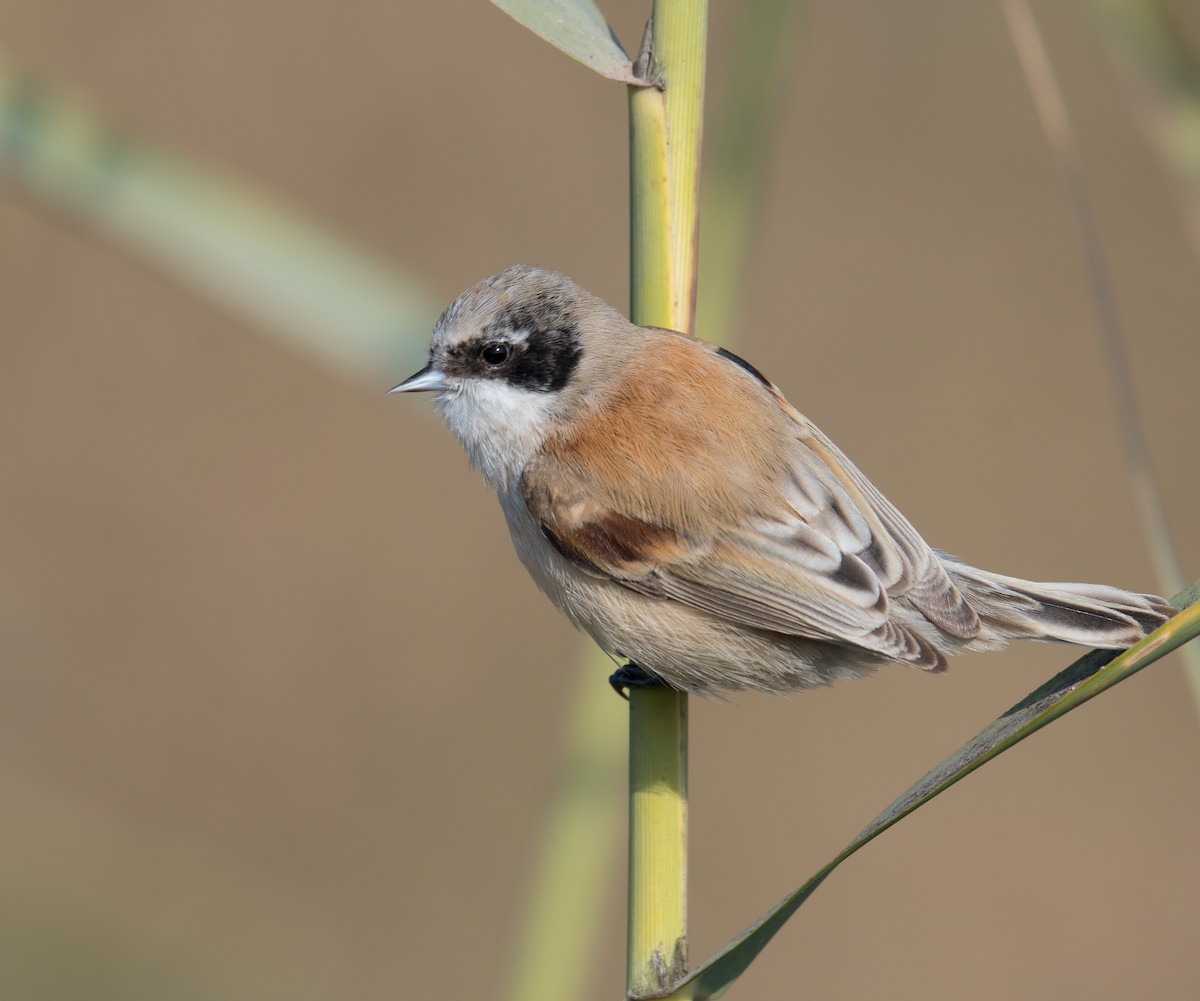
<point>630,676</point>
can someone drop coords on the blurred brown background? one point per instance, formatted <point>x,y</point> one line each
<point>280,709</point>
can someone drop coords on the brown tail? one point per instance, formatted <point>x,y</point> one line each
<point>1087,614</point>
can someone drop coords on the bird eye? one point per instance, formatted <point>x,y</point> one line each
<point>495,353</point>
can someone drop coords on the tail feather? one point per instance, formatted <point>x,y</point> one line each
<point>1088,614</point>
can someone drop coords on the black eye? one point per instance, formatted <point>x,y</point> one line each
<point>495,353</point>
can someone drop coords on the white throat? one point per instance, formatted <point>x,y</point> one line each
<point>500,426</point>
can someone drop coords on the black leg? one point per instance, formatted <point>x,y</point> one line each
<point>632,675</point>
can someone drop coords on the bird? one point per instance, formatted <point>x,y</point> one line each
<point>667,498</point>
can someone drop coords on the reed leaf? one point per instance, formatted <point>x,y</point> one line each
<point>577,28</point>
<point>1086,678</point>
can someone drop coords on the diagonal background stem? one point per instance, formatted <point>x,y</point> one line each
<point>1056,124</point>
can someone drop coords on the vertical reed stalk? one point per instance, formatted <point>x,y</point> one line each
<point>665,130</point>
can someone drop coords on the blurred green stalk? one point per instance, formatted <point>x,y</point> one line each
<point>212,233</point>
<point>575,855</point>
<point>741,135</point>
<point>1164,70</point>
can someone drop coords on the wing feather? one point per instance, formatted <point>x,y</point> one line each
<point>807,547</point>
<point>907,565</point>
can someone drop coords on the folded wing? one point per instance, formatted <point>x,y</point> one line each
<point>821,555</point>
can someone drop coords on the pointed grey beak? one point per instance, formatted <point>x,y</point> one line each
<point>429,379</point>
